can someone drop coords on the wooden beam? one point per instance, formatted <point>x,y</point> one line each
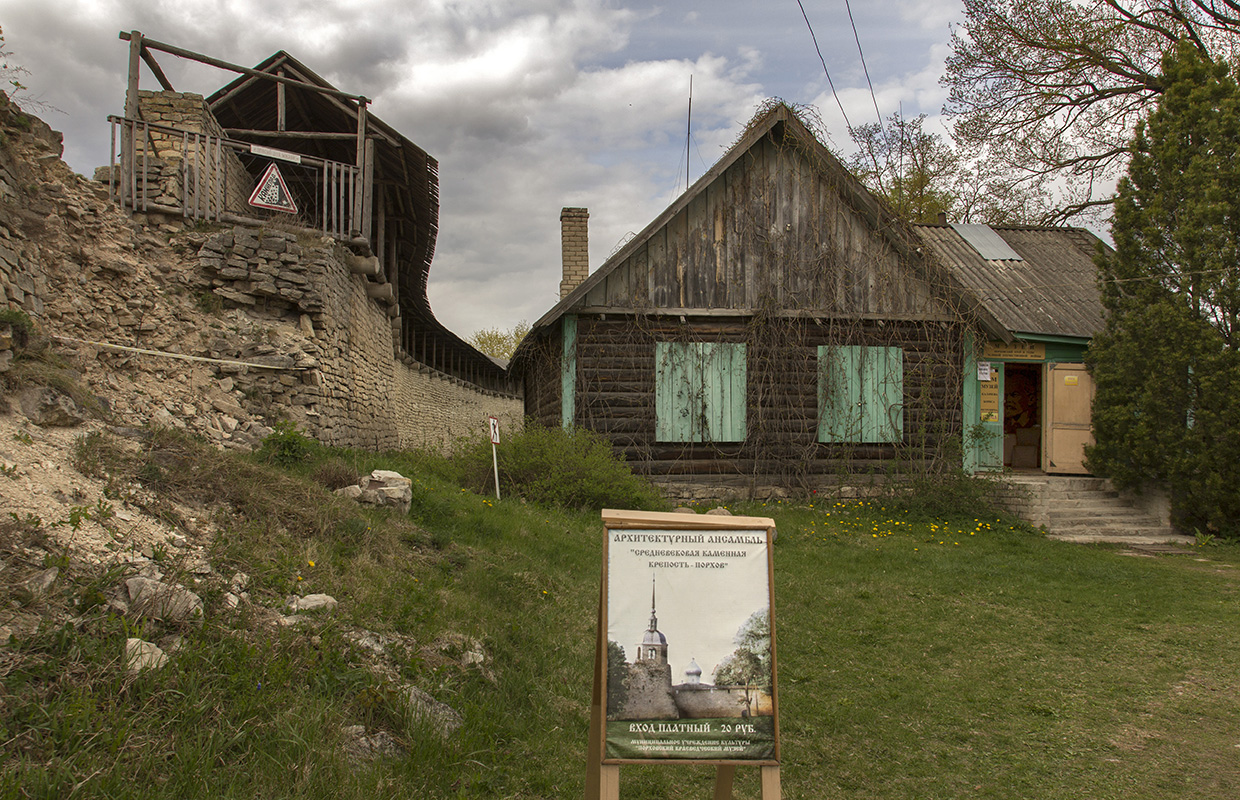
<point>348,109</point>
<point>128,129</point>
<point>156,71</point>
<point>283,134</point>
<point>215,62</point>
<point>359,225</point>
<point>818,315</point>
<point>281,122</point>
<point>135,56</point>
<point>368,187</point>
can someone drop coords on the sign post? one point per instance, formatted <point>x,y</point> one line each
<point>685,662</point>
<point>494,457</point>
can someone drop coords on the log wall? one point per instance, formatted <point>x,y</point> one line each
<point>616,398</point>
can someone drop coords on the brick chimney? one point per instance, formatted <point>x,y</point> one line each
<point>574,247</point>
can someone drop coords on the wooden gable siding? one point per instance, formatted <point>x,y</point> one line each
<point>616,397</point>
<point>770,232</point>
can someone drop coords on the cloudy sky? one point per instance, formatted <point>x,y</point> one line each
<point>529,105</point>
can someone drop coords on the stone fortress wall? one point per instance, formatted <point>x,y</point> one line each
<point>343,381</point>
<point>220,330</point>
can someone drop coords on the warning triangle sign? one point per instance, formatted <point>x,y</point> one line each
<point>272,192</point>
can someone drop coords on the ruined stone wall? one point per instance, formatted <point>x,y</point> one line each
<point>23,280</point>
<point>187,111</point>
<point>221,332</point>
<point>344,383</point>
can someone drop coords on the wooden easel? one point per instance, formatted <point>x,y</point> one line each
<point>603,778</point>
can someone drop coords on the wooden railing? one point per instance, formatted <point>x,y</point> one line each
<point>207,187</point>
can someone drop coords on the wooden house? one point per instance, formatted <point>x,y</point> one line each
<point>1027,394</point>
<point>776,327</point>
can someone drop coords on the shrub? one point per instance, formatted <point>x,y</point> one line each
<point>550,466</point>
<point>285,445</point>
<point>21,322</point>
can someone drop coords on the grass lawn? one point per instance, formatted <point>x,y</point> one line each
<point>918,658</point>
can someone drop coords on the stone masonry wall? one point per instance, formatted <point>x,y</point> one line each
<point>23,280</point>
<point>221,332</point>
<point>345,384</point>
<point>186,111</point>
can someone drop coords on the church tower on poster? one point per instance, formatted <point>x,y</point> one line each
<point>650,675</point>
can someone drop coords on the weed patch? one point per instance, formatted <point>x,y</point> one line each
<point>554,467</point>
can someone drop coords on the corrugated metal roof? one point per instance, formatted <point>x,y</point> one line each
<point>1052,290</point>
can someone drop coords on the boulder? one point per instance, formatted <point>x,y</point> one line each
<point>312,602</point>
<point>426,710</point>
<point>51,408</point>
<point>140,655</point>
<point>163,601</point>
<point>383,488</point>
<point>361,746</point>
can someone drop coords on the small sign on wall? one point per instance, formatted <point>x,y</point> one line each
<point>989,397</point>
<point>983,370</point>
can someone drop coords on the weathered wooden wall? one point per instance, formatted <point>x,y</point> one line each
<point>616,397</point>
<point>785,252</point>
<point>769,232</point>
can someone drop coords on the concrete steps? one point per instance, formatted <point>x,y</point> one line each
<point>1087,509</point>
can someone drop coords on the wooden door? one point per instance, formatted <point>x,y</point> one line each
<point>1068,396</point>
<point>983,418</point>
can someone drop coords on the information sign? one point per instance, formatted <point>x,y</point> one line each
<point>685,663</point>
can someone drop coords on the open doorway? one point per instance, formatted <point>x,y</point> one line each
<point>1022,417</point>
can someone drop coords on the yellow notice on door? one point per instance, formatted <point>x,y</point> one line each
<point>1069,380</point>
<point>990,399</point>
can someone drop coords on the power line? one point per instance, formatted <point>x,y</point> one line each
<point>861,53</point>
<point>830,83</point>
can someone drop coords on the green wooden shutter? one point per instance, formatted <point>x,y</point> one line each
<point>700,392</point>
<point>667,379</point>
<point>860,394</point>
<point>723,390</point>
<point>887,395</point>
<point>568,372</point>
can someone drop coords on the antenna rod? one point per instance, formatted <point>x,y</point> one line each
<point>688,132</point>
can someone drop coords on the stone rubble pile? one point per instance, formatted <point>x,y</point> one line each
<point>382,488</point>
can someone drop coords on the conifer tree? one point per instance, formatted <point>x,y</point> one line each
<point>1167,365</point>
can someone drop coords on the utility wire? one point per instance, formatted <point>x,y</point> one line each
<point>861,53</point>
<point>830,83</point>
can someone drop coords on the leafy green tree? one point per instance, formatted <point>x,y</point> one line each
<point>617,679</point>
<point>1167,365</point>
<point>1049,91</point>
<point>499,343</point>
<point>906,165</point>
<point>922,175</point>
<point>749,665</point>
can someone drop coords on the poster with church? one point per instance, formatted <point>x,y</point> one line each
<point>690,659</point>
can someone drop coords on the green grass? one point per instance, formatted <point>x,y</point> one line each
<point>918,657</point>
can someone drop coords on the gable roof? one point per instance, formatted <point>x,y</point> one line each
<point>1051,290</point>
<point>779,120</point>
<point>250,102</point>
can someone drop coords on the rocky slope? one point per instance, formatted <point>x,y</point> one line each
<point>126,336</point>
